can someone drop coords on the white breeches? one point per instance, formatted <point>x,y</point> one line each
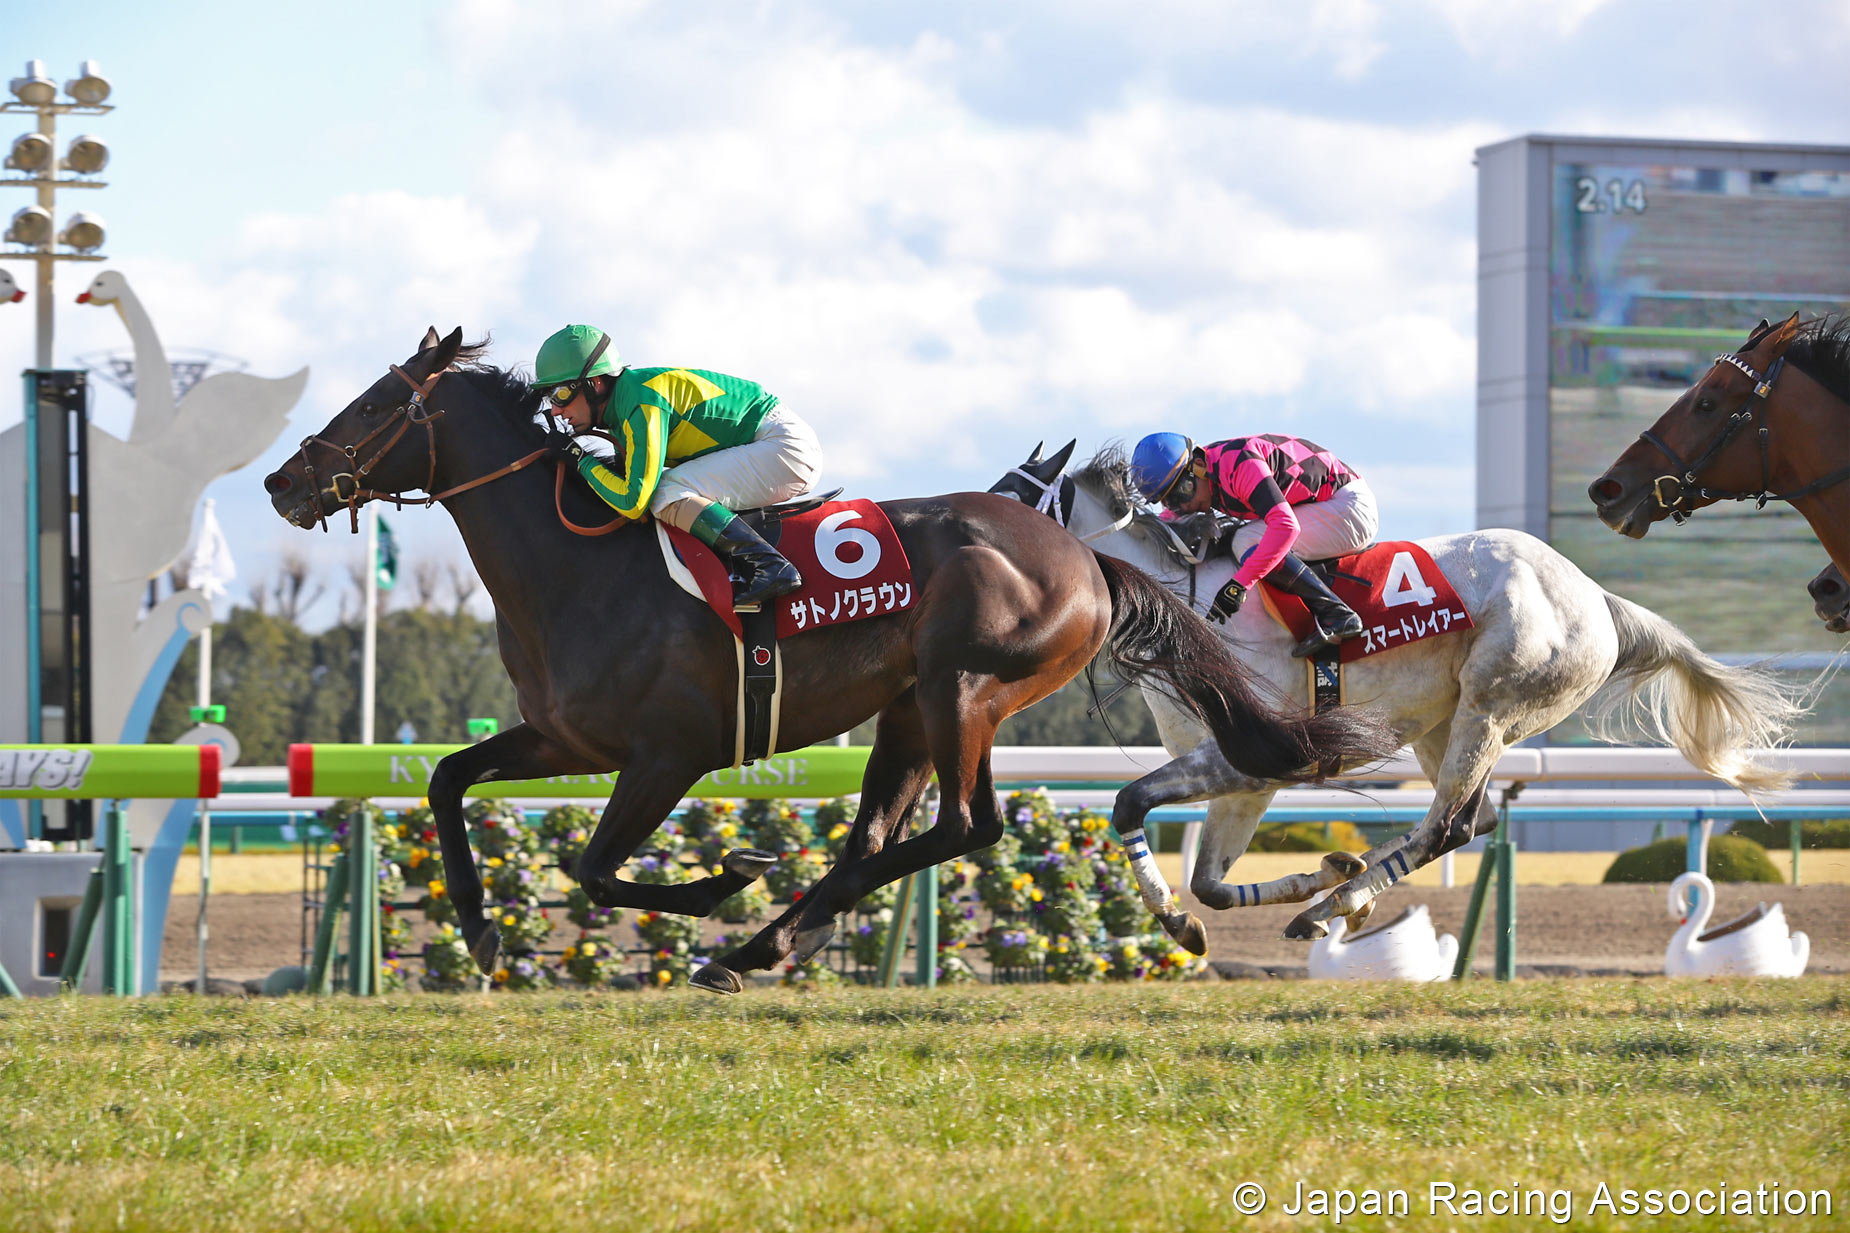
<point>1346,523</point>
<point>781,463</point>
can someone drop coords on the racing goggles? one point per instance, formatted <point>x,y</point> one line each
<point>1183,490</point>
<point>562,395</point>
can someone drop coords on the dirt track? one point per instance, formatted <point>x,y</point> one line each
<point>1589,927</point>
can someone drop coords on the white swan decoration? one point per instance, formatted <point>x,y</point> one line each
<point>1757,944</point>
<point>10,291</point>
<point>1406,948</point>
<point>144,491</point>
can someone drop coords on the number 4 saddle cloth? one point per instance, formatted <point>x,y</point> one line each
<point>1394,587</point>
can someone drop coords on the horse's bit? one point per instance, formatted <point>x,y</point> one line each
<point>411,412</point>
<point>1682,489</point>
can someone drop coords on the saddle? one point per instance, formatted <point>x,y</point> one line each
<point>767,519</point>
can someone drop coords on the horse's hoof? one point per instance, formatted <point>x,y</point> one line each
<point>486,949</point>
<point>717,978</point>
<point>809,941</point>
<point>751,863</point>
<point>1185,928</point>
<point>1359,917</point>
<point>1302,930</point>
<point>1344,865</point>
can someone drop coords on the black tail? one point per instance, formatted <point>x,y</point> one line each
<point>1154,636</point>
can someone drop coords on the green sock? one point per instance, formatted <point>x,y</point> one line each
<point>711,523</point>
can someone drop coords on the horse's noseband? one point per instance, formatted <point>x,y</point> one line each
<point>1673,492</point>
<point>413,411</point>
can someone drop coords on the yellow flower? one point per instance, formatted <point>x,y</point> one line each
<point>664,976</point>
<point>589,948</point>
<point>436,888</point>
<point>508,919</point>
<point>1035,894</point>
<point>838,830</point>
<point>571,952</point>
<point>417,857</point>
<point>500,975</point>
<point>1063,846</point>
<point>493,862</point>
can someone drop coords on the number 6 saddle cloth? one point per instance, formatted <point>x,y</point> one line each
<point>853,567</point>
<point>1397,590</point>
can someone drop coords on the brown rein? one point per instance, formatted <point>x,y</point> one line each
<point>414,411</point>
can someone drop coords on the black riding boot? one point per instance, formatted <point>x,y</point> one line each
<point>768,573</point>
<point>1332,620</point>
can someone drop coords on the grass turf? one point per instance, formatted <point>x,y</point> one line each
<point>970,1108</point>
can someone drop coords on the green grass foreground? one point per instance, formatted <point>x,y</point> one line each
<point>1052,1108</point>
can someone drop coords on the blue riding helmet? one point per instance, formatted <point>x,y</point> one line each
<point>1158,461</point>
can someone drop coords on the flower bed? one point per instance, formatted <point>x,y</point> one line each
<point>1053,900</point>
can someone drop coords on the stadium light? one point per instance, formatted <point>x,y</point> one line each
<point>31,152</point>
<point>36,88</point>
<point>89,87</point>
<point>83,232</point>
<point>35,154</point>
<point>31,225</point>
<point>87,155</point>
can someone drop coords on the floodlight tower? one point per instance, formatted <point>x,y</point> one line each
<point>34,154</point>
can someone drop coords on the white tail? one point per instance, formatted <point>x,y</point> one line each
<point>1666,689</point>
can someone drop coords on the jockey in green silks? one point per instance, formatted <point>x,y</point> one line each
<point>696,446</point>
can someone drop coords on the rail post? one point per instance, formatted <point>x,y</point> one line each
<point>1792,833</point>
<point>321,966</point>
<point>363,905</point>
<point>118,909</point>
<point>928,927</point>
<point>77,954</point>
<point>896,935</point>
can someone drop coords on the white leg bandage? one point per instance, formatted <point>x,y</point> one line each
<point>1150,882</point>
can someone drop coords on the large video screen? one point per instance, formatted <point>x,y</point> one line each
<point>1653,271</point>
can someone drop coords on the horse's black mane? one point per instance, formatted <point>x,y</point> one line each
<point>1821,350</point>
<point>507,390</point>
<point>1106,476</point>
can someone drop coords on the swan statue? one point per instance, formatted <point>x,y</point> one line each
<point>1757,944</point>
<point>10,291</point>
<point>1406,948</point>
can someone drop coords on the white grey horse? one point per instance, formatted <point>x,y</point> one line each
<point>1545,639</point>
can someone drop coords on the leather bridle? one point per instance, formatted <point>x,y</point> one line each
<point>414,411</point>
<point>1683,486</point>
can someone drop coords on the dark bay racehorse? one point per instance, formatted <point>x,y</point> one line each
<point>1771,422</point>
<point>617,669</point>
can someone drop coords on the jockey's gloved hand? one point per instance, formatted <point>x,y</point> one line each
<point>1201,531</point>
<point>1227,601</point>
<point>566,446</point>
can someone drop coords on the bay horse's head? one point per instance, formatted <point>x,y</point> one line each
<point>383,443</point>
<point>1709,446</point>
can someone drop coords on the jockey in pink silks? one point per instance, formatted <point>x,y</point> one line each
<point>1296,500</point>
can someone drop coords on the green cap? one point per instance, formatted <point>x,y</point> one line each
<point>562,357</point>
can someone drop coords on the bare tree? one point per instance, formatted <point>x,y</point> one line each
<point>289,590</point>
<point>426,577</point>
<point>462,583</point>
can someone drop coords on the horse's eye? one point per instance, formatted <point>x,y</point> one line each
<point>1705,404</point>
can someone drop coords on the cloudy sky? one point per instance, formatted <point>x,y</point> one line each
<point>939,231</point>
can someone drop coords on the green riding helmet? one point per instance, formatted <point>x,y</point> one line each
<point>562,357</point>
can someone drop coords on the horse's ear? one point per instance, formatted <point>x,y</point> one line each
<point>1057,463</point>
<point>1036,455</point>
<point>447,349</point>
<point>1782,336</point>
<point>431,339</point>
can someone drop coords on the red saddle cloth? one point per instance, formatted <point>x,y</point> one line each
<point>852,563</point>
<point>1395,588</point>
